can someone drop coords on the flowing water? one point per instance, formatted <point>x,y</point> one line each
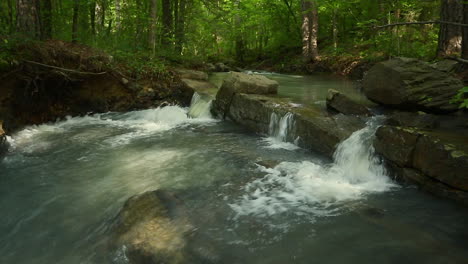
<point>308,89</point>
<point>254,199</point>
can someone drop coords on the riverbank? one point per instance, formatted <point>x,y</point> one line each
<point>47,81</point>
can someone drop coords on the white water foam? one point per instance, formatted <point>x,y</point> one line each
<point>310,188</point>
<point>135,124</point>
<point>280,130</point>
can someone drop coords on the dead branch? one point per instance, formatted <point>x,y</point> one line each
<point>457,59</point>
<point>64,69</point>
<point>421,23</point>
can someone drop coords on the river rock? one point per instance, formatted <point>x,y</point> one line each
<point>236,83</point>
<point>342,104</point>
<point>411,84</point>
<point>3,141</point>
<point>435,159</point>
<point>411,119</point>
<point>221,67</point>
<point>201,87</point>
<point>192,74</point>
<point>152,228</point>
<point>312,128</point>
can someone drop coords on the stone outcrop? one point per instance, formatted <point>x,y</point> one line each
<point>201,87</point>
<point>340,103</point>
<point>192,74</point>
<point>236,83</point>
<point>411,84</point>
<point>252,101</point>
<point>436,160</point>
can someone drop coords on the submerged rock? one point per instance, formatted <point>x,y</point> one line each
<point>236,83</point>
<point>152,228</point>
<point>411,84</point>
<point>342,104</point>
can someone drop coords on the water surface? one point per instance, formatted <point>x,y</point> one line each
<point>63,183</point>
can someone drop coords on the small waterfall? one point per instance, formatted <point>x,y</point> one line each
<point>200,106</point>
<point>313,188</point>
<point>281,128</point>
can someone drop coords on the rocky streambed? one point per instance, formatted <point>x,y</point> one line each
<point>196,190</point>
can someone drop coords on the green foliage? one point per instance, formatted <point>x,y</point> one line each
<point>244,31</point>
<point>461,98</point>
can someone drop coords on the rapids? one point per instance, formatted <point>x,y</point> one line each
<point>255,199</point>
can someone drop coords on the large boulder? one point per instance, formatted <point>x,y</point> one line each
<point>192,74</point>
<point>236,83</point>
<point>412,85</point>
<point>152,228</point>
<point>435,159</point>
<point>312,128</point>
<point>342,104</point>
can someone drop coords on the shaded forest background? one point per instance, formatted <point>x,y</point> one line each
<point>242,32</point>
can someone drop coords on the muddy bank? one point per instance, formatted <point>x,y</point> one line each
<point>52,80</point>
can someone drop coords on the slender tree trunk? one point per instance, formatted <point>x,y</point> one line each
<point>117,15</point>
<point>92,16</point>
<point>47,19</point>
<point>335,29</point>
<point>76,6</point>
<point>152,26</point>
<point>167,20</point>
<point>450,36</point>
<point>27,18</point>
<point>309,31</point>
<point>10,16</point>
<point>102,8</point>
<point>239,41</point>
<point>465,32</point>
<point>180,27</point>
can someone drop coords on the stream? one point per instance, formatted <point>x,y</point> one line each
<point>255,198</point>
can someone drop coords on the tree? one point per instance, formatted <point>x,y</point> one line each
<point>450,36</point>
<point>180,27</point>
<point>152,26</point>
<point>465,32</point>
<point>27,18</point>
<point>76,7</point>
<point>46,19</point>
<point>167,20</point>
<point>309,31</point>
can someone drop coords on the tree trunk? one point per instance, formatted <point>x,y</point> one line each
<point>47,20</point>
<point>152,26</point>
<point>117,15</point>
<point>167,22</point>
<point>309,31</point>
<point>180,27</point>
<point>27,18</point>
<point>92,16</point>
<point>10,16</point>
<point>465,32</point>
<point>450,36</point>
<point>76,6</point>
<point>335,29</point>
<point>239,41</point>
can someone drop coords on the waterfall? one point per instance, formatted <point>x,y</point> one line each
<point>280,130</point>
<point>200,106</point>
<point>315,188</point>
